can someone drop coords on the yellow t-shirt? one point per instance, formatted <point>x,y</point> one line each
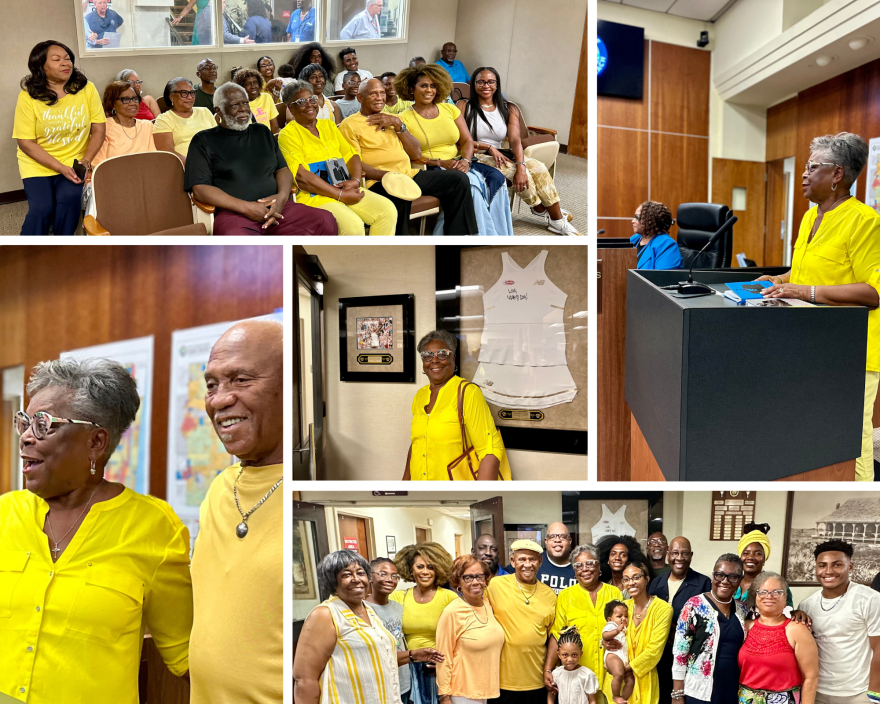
<point>436,437</point>
<point>526,629</point>
<point>845,250</point>
<point>439,137</point>
<point>398,107</point>
<point>237,644</point>
<point>73,630</point>
<point>264,109</point>
<point>183,129</point>
<point>62,129</point>
<point>420,620</point>
<point>301,148</point>
<point>381,150</point>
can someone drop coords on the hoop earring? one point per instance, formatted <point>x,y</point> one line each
<point>92,469</point>
<point>833,186</point>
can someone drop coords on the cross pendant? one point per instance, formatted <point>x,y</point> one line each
<point>55,552</point>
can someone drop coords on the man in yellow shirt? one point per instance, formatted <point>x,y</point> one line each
<point>385,145</point>
<point>236,648</point>
<point>526,609</point>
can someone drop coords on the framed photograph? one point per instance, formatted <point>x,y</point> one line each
<point>814,517</point>
<point>377,338</point>
<point>600,517</point>
<point>520,315</point>
<point>305,568</point>
<point>390,545</point>
<point>521,531</point>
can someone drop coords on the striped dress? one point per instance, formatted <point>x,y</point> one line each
<point>363,666</point>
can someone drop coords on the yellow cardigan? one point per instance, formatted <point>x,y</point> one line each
<point>644,645</point>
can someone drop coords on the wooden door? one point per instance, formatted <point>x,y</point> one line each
<point>487,517</point>
<point>353,535</point>
<point>423,535</point>
<point>777,207</point>
<point>577,136</point>
<point>6,437</point>
<point>748,234</point>
<point>458,547</point>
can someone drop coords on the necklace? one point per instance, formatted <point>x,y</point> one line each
<point>56,550</point>
<point>837,600</point>
<point>641,615</point>
<point>482,623</point>
<point>431,590</point>
<point>427,141</point>
<point>527,598</point>
<point>718,601</point>
<point>123,128</point>
<point>241,529</point>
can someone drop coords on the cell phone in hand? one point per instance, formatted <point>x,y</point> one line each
<point>79,170</point>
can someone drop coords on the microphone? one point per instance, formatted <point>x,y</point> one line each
<point>601,232</point>
<point>691,287</point>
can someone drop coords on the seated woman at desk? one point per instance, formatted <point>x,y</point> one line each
<point>657,250</point>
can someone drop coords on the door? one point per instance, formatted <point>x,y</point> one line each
<point>458,547</point>
<point>423,535</point>
<point>310,546</point>
<point>353,535</point>
<point>487,517</point>
<point>741,186</point>
<point>777,207</point>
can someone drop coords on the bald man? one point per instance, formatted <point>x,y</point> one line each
<point>486,551</point>
<point>556,570</point>
<point>676,587</point>
<point>453,66</point>
<point>236,647</point>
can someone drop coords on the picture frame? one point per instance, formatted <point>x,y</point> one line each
<point>391,545</point>
<point>377,338</point>
<point>814,517</point>
<point>613,516</point>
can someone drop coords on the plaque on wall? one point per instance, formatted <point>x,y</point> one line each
<point>731,510</point>
<point>377,338</point>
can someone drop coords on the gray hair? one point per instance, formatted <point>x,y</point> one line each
<point>447,338</point>
<point>371,2</point>
<point>844,149</point>
<point>330,567</point>
<point>309,69</point>
<point>101,391</point>
<point>291,90</point>
<point>124,74</point>
<point>412,61</point>
<point>221,95</point>
<point>759,582</point>
<point>588,548</point>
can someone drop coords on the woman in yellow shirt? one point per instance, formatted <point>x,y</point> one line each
<point>174,129</point>
<point>86,565</point>
<point>262,104</point>
<point>837,256</point>
<point>435,435</point>
<point>58,120</point>
<point>308,145</point>
<point>470,637</point>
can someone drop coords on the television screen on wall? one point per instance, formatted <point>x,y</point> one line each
<point>620,60</point>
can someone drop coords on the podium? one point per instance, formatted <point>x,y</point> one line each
<point>722,392</point>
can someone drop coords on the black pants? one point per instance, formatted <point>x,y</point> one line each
<point>453,190</point>
<point>532,696</point>
<point>664,674</point>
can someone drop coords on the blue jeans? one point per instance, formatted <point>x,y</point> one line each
<point>423,689</point>
<point>52,200</point>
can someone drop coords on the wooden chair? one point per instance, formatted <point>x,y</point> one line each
<point>538,143</point>
<point>460,91</point>
<point>282,115</point>
<point>163,106</point>
<point>422,207</point>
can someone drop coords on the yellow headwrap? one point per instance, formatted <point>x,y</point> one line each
<point>755,536</point>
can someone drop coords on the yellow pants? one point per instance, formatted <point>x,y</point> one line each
<point>865,463</point>
<point>376,211</point>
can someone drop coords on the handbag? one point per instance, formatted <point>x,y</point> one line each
<point>467,464</point>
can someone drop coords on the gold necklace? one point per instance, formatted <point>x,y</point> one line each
<point>123,128</point>
<point>482,623</point>
<point>241,529</point>
<point>527,598</point>
<point>641,615</point>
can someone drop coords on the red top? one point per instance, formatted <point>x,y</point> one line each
<point>144,113</point>
<point>767,660</point>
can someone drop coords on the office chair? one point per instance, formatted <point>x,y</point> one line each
<point>697,222</point>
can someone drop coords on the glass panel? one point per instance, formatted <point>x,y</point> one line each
<point>269,21</point>
<point>130,24</point>
<point>306,384</point>
<point>306,594</point>
<point>354,20</point>
<point>738,199</point>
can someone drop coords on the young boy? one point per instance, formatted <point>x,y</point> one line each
<point>617,662</point>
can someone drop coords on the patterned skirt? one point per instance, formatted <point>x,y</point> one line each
<point>764,696</point>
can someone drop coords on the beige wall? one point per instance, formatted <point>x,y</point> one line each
<point>658,26</point>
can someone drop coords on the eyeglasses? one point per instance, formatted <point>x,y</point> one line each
<point>126,100</point>
<point>632,580</point>
<point>657,542</point>
<point>559,536</point>
<point>637,218</point>
<point>302,102</point>
<point>441,355</point>
<point>681,553</point>
<point>581,566</point>
<point>489,83</point>
<point>387,575</point>
<point>733,578</point>
<point>185,93</point>
<point>135,83</point>
<point>775,593</point>
<point>473,578</point>
<point>811,165</point>
<point>208,67</point>
<point>42,423</point>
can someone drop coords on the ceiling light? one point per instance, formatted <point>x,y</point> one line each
<point>823,60</point>
<point>857,43</point>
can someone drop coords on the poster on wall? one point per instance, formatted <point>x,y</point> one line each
<point>872,182</point>
<point>130,462</point>
<point>815,517</point>
<point>600,517</point>
<point>195,454</point>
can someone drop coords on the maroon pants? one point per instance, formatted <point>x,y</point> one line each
<point>298,220</point>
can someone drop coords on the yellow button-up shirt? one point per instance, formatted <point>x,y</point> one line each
<point>72,631</point>
<point>436,436</point>
<point>845,250</point>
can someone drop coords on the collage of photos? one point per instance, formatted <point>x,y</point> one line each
<point>261,471</point>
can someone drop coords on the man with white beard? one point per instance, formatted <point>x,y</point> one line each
<point>238,167</point>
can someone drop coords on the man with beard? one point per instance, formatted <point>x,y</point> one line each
<point>657,549</point>
<point>675,587</point>
<point>486,550</point>
<point>526,609</point>
<point>238,167</point>
<point>556,571</point>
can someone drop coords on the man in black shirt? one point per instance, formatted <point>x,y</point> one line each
<point>238,168</point>
<point>206,70</point>
<point>556,570</point>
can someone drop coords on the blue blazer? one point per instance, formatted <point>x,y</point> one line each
<point>661,252</point>
<point>694,584</point>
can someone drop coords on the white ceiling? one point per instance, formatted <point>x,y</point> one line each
<point>703,10</point>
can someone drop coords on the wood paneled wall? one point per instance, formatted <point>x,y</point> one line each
<point>656,148</point>
<point>577,135</point>
<point>748,236</point>
<point>60,298</point>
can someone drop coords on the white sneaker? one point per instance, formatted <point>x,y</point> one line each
<point>563,227</point>
<point>567,215</point>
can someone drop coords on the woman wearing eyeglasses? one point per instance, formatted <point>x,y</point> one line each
<point>125,134</point>
<point>656,249</point>
<point>754,549</point>
<point>175,128</point>
<point>708,638</point>
<point>149,108</point>
<point>837,256</point>
<point>452,435</point>
<point>470,638</point>
<point>86,564</point>
<point>582,605</point>
<point>779,661</point>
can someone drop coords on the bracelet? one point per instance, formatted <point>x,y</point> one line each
<point>874,696</point>
<point>677,693</point>
<point>813,295</point>
<point>339,200</point>
<point>410,656</point>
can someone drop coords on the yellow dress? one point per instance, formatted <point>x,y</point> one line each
<point>644,645</point>
<point>237,645</point>
<point>575,608</point>
<point>72,631</point>
<point>436,437</point>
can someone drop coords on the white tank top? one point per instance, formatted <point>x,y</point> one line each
<point>495,132</point>
<point>612,524</point>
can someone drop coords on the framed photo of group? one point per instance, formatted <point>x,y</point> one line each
<point>377,338</point>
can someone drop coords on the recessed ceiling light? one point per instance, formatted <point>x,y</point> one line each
<point>857,43</point>
<point>824,59</point>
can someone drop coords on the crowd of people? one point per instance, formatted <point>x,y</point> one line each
<point>357,156</point>
<point>589,623</point>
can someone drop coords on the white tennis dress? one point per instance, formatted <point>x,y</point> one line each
<point>522,350</point>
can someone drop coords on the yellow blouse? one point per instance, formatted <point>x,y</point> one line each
<point>439,136</point>
<point>72,631</point>
<point>845,250</point>
<point>436,437</point>
<point>644,645</point>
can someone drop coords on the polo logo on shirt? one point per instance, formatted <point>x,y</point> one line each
<point>509,283</point>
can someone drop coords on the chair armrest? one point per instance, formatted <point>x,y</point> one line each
<point>542,130</point>
<point>93,227</point>
<point>204,207</point>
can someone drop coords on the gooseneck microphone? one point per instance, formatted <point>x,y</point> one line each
<point>695,288</point>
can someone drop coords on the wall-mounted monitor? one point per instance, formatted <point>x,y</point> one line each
<point>620,60</point>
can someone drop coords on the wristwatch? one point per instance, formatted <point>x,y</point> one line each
<point>403,127</point>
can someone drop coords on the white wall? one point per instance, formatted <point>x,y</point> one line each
<point>658,26</point>
<point>744,28</point>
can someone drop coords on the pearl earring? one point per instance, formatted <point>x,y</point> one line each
<point>833,186</point>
